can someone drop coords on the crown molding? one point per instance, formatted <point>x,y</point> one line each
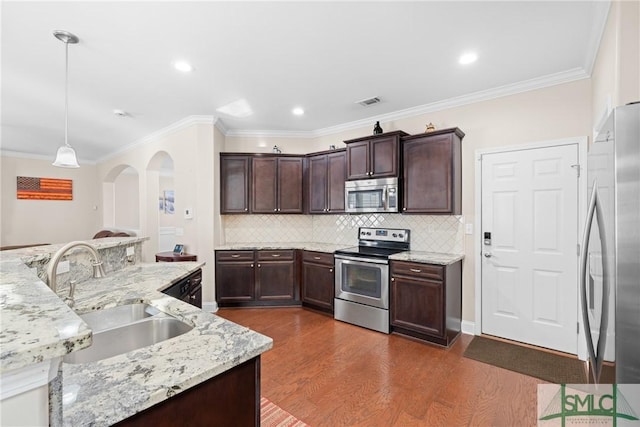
<point>485,95</point>
<point>161,133</point>
<point>44,157</point>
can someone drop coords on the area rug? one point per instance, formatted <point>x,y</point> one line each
<point>271,415</point>
<point>535,363</point>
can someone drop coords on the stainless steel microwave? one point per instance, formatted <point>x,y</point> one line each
<point>371,195</point>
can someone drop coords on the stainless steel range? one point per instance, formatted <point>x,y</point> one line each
<point>362,277</point>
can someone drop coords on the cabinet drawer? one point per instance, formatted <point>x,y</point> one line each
<point>234,255</point>
<point>317,257</point>
<point>276,255</point>
<point>425,271</point>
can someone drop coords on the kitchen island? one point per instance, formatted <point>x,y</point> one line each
<point>108,391</point>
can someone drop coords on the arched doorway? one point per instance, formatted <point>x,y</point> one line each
<point>121,199</point>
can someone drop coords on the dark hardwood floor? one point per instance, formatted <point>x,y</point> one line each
<point>329,373</point>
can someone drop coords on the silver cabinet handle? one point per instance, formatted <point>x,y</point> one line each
<point>416,270</point>
<point>235,255</point>
<point>275,255</point>
<point>393,279</point>
<point>275,210</point>
<point>192,297</point>
<point>331,270</point>
<point>487,254</point>
<point>259,266</point>
<point>251,265</point>
<point>246,209</point>
<point>316,257</point>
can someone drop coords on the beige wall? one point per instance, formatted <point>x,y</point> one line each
<point>48,221</point>
<point>191,150</point>
<point>127,201</point>
<point>615,79</point>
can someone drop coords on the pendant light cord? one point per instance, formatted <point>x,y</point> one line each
<point>66,93</point>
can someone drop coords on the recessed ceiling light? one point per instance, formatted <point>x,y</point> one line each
<point>298,111</point>
<point>468,58</point>
<point>183,66</point>
<point>239,108</point>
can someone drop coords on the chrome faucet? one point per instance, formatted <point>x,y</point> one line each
<point>96,262</point>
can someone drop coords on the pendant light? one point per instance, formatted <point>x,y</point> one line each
<point>66,156</point>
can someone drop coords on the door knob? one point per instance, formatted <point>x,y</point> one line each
<point>488,254</point>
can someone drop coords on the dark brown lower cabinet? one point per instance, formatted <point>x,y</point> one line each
<point>426,301</point>
<point>188,289</point>
<point>318,281</point>
<point>257,278</point>
<point>229,399</point>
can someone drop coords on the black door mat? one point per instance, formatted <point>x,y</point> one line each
<point>535,363</point>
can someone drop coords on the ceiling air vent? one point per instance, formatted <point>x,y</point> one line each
<point>369,101</point>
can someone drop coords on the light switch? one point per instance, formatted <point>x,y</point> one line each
<point>130,251</point>
<point>188,213</point>
<point>468,228</point>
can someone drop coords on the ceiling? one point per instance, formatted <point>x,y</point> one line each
<point>321,56</point>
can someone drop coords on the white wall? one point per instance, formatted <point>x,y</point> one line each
<point>48,221</point>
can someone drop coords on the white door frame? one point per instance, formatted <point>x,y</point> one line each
<point>581,143</point>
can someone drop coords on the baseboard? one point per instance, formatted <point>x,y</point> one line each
<point>210,307</point>
<point>468,327</point>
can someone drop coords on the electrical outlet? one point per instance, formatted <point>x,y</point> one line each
<point>63,267</point>
<point>130,251</point>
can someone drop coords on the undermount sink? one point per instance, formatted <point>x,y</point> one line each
<point>126,328</point>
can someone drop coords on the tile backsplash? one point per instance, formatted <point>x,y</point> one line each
<point>431,233</point>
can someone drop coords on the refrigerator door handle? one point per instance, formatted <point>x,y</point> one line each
<point>595,210</point>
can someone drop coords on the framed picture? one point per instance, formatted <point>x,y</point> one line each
<point>179,249</point>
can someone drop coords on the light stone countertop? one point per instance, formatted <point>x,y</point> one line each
<point>36,325</point>
<point>427,257</point>
<point>413,256</point>
<point>307,246</point>
<point>110,390</point>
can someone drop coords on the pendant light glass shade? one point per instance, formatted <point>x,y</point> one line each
<point>66,156</point>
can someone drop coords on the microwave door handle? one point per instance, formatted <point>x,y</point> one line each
<point>385,202</point>
<point>583,278</point>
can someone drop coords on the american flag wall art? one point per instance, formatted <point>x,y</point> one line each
<point>44,188</point>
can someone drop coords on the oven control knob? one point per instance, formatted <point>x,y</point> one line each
<point>368,233</point>
<point>401,235</point>
<point>395,234</point>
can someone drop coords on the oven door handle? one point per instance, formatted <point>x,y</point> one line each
<point>354,260</point>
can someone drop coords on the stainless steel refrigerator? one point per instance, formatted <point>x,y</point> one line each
<point>610,250</point>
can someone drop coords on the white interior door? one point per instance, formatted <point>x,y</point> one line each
<point>529,248</point>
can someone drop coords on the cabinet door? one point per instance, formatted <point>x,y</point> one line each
<point>235,281</point>
<point>234,184</point>
<point>358,160</point>
<point>317,188</point>
<point>384,157</point>
<point>275,280</point>
<point>417,305</point>
<point>428,175</point>
<point>264,188</point>
<point>337,175</point>
<point>318,285</point>
<point>290,185</point>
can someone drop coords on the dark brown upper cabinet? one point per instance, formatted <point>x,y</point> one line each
<point>375,156</point>
<point>276,184</point>
<point>325,185</point>
<point>234,184</point>
<point>432,172</point>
